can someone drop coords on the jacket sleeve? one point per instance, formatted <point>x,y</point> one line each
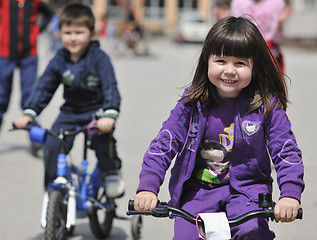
<point>109,87</point>
<point>44,89</point>
<point>163,149</point>
<point>285,154</point>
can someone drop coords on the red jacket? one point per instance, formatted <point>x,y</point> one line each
<point>19,28</point>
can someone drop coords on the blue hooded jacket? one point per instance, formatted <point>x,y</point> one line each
<point>89,84</point>
<point>257,139</point>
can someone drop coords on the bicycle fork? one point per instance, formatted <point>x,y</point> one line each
<point>71,209</point>
<point>44,209</point>
<point>61,181</point>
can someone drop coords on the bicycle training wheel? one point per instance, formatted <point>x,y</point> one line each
<point>101,215</point>
<point>56,217</point>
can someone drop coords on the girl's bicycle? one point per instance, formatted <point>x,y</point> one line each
<point>75,192</point>
<point>164,210</point>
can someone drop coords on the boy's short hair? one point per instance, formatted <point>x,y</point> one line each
<point>77,14</point>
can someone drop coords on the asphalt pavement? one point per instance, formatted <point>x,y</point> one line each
<point>150,87</point>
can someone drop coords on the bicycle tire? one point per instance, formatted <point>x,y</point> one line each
<point>101,219</point>
<point>136,226</point>
<point>56,217</point>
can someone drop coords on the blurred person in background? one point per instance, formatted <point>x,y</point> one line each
<point>21,22</point>
<point>133,34</point>
<point>222,9</point>
<point>268,16</point>
<point>53,29</point>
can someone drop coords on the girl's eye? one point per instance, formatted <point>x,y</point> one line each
<point>240,63</point>
<point>220,61</point>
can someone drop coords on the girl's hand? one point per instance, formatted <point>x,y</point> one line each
<point>145,201</point>
<point>105,124</point>
<point>21,122</point>
<point>286,209</point>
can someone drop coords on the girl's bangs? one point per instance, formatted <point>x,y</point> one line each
<point>231,45</point>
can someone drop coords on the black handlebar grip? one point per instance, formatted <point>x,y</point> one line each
<point>131,205</point>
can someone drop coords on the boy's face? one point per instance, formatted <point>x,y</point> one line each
<point>76,39</point>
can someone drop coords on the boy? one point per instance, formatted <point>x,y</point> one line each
<point>89,85</point>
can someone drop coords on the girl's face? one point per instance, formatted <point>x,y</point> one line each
<point>76,39</point>
<point>229,74</point>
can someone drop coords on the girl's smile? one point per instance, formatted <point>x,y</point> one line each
<point>229,81</point>
<point>229,74</point>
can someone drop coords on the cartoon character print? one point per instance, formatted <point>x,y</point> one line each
<point>216,156</point>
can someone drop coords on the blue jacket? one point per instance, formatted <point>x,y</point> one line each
<point>89,84</point>
<point>256,140</point>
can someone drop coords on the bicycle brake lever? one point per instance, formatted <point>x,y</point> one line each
<point>160,210</point>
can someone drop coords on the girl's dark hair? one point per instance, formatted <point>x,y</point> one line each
<point>240,38</point>
<point>77,13</point>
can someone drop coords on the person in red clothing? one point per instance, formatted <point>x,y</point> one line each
<point>19,29</point>
<point>269,16</point>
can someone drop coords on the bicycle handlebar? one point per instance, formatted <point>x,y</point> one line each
<point>165,210</point>
<point>38,134</point>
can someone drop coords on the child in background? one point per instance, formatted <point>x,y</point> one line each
<point>53,29</point>
<point>222,8</point>
<point>89,85</point>
<point>268,16</point>
<point>222,133</point>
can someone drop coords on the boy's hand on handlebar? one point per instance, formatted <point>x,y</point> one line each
<point>286,209</point>
<point>21,122</point>
<point>145,201</point>
<point>105,124</point>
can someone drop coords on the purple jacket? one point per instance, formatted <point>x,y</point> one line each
<point>256,140</point>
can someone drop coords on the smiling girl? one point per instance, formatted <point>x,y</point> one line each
<point>223,133</point>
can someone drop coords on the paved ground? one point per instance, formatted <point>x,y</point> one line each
<point>149,87</point>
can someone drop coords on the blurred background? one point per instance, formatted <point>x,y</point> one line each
<point>162,17</point>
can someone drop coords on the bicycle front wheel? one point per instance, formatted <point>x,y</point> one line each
<point>56,217</point>
<point>101,217</point>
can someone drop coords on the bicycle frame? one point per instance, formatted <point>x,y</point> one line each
<point>79,194</point>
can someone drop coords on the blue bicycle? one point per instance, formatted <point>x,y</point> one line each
<point>75,192</point>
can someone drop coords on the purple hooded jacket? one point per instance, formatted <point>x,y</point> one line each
<point>256,141</point>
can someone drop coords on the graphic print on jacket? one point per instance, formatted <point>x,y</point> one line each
<point>68,77</point>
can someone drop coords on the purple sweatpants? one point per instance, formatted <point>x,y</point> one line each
<point>197,199</point>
